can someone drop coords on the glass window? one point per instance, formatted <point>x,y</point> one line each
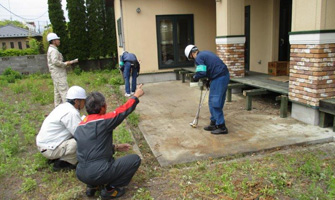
<point>4,46</point>
<point>12,45</point>
<point>20,45</point>
<point>27,44</point>
<point>174,33</point>
<point>119,30</point>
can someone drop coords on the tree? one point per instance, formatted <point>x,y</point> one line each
<point>95,22</point>
<point>109,33</point>
<point>57,19</point>
<point>15,23</point>
<point>77,29</point>
<point>46,31</point>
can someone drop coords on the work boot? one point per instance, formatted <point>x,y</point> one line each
<point>210,127</point>
<point>113,193</point>
<point>90,190</point>
<point>62,165</point>
<point>52,161</point>
<point>220,129</point>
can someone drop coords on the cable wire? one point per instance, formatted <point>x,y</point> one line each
<point>20,16</point>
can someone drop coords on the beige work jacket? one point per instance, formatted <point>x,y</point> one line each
<point>56,65</point>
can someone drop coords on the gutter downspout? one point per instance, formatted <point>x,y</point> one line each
<point>123,40</point>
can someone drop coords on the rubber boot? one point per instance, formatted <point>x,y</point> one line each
<point>220,129</point>
<point>112,193</point>
<point>210,127</point>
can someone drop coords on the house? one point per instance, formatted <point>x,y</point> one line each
<point>13,37</point>
<point>245,34</point>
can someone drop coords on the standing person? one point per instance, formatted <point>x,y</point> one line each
<point>211,66</point>
<point>57,69</point>
<point>94,136</point>
<point>55,140</point>
<point>129,65</point>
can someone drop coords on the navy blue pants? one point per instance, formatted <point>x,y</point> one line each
<point>130,70</point>
<point>217,98</point>
<point>116,173</point>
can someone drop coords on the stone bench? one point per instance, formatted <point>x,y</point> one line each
<point>283,105</point>
<point>190,76</point>
<point>176,71</point>
<point>250,93</point>
<point>185,74</point>
<point>327,112</point>
<point>233,86</point>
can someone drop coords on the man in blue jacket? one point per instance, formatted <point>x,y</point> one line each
<point>129,65</point>
<point>209,65</point>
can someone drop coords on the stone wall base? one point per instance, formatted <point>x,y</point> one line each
<point>156,77</point>
<point>305,114</point>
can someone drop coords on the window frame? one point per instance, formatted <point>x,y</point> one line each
<point>174,19</point>
<point>19,44</point>
<point>119,32</point>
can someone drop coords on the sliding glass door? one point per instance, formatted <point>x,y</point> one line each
<point>174,33</point>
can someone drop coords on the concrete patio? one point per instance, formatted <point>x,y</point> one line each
<point>167,108</point>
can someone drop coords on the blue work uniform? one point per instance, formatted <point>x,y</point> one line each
<point>211,66</point>
<point>129,65</point>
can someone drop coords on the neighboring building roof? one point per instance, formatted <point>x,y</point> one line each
<point>11,31</point>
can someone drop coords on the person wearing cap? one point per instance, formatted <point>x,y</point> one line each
<point>129,65</point>
<point>95,147</point>
<point>57,69</point>
<point>209,65</point>
<point>55,139</point>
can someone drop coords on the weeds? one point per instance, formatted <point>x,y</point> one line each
<point>143,194</point>
<point>23,103</point>
<point>28,185</point>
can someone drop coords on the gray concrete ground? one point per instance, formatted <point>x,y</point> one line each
<point>167,108</point>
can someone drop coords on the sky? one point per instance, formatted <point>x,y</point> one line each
<point>28,11</point>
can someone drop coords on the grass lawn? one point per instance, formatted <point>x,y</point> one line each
<point>295,173</point>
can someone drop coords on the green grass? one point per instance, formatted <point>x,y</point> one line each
<point>25,174</point>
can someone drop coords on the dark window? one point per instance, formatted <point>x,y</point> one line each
<point>119,30</point>
<point>4,46</point>
<point>27,44</point>
<point>174,33</point>
<point>12,45</point>
<point>20,45</point>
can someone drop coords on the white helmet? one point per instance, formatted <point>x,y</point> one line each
<point>76,92</point>
<point>188,50</point>
<point>52,36</point>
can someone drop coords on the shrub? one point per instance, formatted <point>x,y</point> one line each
<point>33,50</point>
<point>77,70</point>
<point>11,75</point>
<point>34,47</point>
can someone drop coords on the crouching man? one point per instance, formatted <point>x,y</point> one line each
<point>55,140</point>
<point>94,135</point>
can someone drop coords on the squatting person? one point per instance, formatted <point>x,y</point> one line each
<point>55,139</point>
<point>94,135</point>
<point>211,66</point>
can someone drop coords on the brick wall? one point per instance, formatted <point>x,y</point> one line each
<point>312,73</point>
<point>233,56</point>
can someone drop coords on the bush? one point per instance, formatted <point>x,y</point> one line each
<point>33,50</point>
<point>77,70</point>
<point>11,75</point>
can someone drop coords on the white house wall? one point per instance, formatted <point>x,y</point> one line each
<point>140,28</point>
